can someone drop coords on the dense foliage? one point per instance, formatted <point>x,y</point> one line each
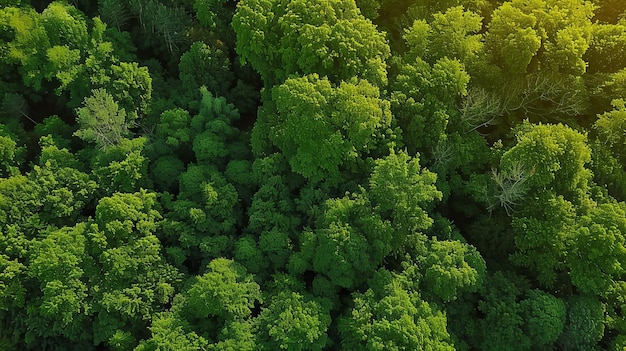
<point>313,175</point>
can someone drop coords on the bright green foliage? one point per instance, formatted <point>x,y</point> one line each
<point>26,45</point>
<point>237,335</point>
<point>293,322</point>
<point>303,37</point>
<point>19,207</point>
<point>321,129</point>
<point>606,49</point>
<point>598,249</point>
<point>136,282</point>
<point>12,291</point>
<point>101,120</point>
<point>503,37</point>
<point>127,216</point>
<point>58,46</point>
<point>66,190</point>
<point>356,232</point>
<point>65,25</point>
<point>339,212</point>
<point>58,263</point>
<point>213,314</point>
<point>551,161</point>
<point>131,85</point>
<point>225,291</point>
<point>387,317</point>
<point>424,99</point>
<point>402,192</point>
<point>9,151</point>
<point>450,34</point>
<point>168,334</point>
<point>122,168</point>
<point>54,192</point>
<point>172,331</point>
<point>556,236</point>
<point>540,35</point>
<point>554,157</point>
<point>452,267</point>
<point>350,243</point>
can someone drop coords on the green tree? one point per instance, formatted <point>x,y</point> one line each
<point>402,192</point>
<point>424,100</point>
<point>333,39</point>
<point>212,314</point>
<point>560,28</point>
<point>554,156</point>
<point>387,317</point>
<point>584,326</point>
<point>168,333</point>
<point>201,57</point>
<point>449,34</point>
<point>501,308</point>
<point>321,129</point>
<point>272,217</point>
<point>451,267</point>
<point>135,281</point>
<point>293,322</point>
<point>350,242</point>
<point>598,248</point>
<point>544,315</point>
<point>59,264</point>
<point>121,168</point>
<point>101,120</point>
<point>225,291</point>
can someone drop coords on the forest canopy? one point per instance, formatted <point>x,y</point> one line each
<point>300,175</point>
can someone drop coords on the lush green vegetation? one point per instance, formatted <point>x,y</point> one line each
<point>313,175</point>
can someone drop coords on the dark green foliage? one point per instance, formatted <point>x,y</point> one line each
<point>214,64</point>
<point>584,325</point>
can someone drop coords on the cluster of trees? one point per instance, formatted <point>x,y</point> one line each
<point>313,175</point>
